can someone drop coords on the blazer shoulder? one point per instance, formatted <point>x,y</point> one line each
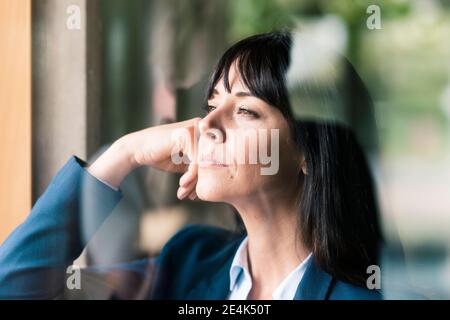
<point>345,291</point>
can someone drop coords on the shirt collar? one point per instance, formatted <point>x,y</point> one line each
<point>239,264</point>
<point>287,288</point>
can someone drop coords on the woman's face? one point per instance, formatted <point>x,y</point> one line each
<point>245,147</point>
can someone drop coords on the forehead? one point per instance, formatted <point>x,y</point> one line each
<point>235,81</point>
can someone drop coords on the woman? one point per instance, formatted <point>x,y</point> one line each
<point>311,224</point>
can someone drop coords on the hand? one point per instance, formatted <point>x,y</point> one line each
<point>156,147</point>
<point>188,183</point>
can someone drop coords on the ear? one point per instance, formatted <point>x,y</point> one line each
<point>303,165</point>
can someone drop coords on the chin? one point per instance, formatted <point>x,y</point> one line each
<point>209,190</point>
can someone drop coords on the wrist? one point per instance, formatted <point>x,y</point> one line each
<point>115,163</point>
<point>123,150</point>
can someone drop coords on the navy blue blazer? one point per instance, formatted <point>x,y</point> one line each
<point>194,264</point>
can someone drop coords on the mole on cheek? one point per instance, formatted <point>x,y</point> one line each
<point>231,174</point>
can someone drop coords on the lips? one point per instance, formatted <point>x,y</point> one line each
<point>210,161</point>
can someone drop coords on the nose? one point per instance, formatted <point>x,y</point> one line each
<point>211,128</point>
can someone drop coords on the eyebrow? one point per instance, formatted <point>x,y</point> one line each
<point>237,94</point>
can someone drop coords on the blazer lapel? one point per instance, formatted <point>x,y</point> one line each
<point>315,284</point>
<point>216,287</point>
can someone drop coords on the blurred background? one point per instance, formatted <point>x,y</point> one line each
<point>126,65</point>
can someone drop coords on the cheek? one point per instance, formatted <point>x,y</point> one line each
<point>225,184</point>
<point>244,179</point>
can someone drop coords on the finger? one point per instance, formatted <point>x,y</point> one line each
<point>184,191</point>
<point>190,175</point>
<point>171,167</point>
<point>186,178</point>
<point>193,195</point>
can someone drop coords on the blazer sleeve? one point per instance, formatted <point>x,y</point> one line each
<point>35,257</point>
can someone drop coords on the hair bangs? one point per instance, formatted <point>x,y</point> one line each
<point>262,62</point>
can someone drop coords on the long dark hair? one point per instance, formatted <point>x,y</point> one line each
<point>338,214</point>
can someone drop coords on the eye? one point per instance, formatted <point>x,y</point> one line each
<point>248,112</point>
<point>208,108</point>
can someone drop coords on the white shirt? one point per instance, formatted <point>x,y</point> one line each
<point>241,281</point>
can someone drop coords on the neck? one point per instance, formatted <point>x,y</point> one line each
<point>274,245</point>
